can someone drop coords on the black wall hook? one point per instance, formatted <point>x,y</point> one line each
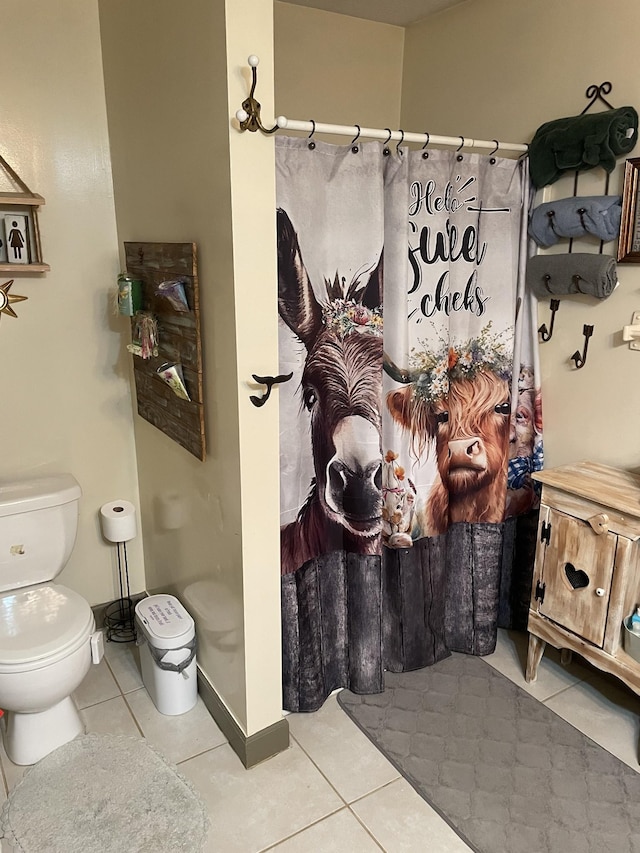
<point>581,360</point>
<point>544,333</point>
<point>269,381</point>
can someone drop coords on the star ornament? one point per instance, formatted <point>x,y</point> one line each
<point>7,298</point>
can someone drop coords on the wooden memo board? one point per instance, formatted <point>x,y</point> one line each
<point>178,341</point>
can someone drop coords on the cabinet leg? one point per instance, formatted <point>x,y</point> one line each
<point>534,656</point>
<point>566,656</point>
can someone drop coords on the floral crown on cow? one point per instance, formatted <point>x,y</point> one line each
<point>464,360</point>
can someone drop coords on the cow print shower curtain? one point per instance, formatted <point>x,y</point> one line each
<point>413,422</point>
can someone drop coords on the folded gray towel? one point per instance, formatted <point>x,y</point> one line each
<point>575,217</point>
<point>571,274</point>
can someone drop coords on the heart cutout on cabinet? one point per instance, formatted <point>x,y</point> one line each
<point>576,577</point>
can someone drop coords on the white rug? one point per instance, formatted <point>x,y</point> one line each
<point>104,794</point>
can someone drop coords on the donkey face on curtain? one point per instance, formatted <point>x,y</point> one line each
<point>341,389</point>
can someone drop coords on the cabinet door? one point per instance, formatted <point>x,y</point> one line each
<point>576,573</point>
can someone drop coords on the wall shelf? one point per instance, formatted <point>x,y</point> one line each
<point>22,202</point>
<point>18,268</point>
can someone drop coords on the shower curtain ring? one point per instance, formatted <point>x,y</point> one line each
<point>385,144</point>
<point>492,158</point>
<point>312,145</point>
<point>398,151</point>
<point>355,139</point>
<point>426,153</point>
<point>460,157</point>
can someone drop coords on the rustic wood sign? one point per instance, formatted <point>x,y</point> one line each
<point>156,264</point>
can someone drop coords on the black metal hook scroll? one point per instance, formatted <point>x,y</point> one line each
<point>269,381</point>
<point>596,93</point>
<point>544,333</point>
<point>581,360</point>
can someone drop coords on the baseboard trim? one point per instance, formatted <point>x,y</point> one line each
<point>250,749</point>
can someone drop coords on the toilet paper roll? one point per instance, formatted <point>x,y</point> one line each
<point>118,521</point>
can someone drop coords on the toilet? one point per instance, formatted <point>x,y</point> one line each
<point>48,639</point>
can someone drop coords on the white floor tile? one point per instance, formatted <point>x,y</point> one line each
<point>510,659</point>
<point>339,833</point>
<point>124,662</point>
<point>251,810</point>
<point>346,756</point>
<point>180,737</point>
<point>403,822</point>
<point>98,686</point>
<point>111,717</point>
<point>605,712</point>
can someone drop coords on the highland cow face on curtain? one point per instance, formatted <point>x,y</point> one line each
<point>459,400</point>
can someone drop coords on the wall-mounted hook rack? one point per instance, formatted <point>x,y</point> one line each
<point>544,333</point>
<point>269,381</point>
<point>581,360</point>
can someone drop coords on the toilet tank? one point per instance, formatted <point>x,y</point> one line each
<point>38,525</point>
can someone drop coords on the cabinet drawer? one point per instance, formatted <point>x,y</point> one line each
<point>576,575</point>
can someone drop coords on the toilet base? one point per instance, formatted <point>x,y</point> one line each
<point>29,737</point>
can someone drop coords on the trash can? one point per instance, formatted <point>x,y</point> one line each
<point>167,640</point>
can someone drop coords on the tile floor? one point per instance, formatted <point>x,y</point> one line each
<point>331,791</point>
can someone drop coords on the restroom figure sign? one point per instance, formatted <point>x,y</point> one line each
<point>16,239</point>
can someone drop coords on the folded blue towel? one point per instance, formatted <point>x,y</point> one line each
<point>576,217</point>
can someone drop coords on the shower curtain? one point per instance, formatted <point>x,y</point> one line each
<point>413,422</point>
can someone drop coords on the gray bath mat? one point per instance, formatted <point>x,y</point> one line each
<point>104,794</point>
<point>506,772</point>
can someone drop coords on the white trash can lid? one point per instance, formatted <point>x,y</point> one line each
<point>164,621</point>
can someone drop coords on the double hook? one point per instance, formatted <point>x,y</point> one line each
<point>249,115</point>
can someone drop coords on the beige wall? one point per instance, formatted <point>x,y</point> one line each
<point>501,68</point>
<point>65,390</point>
<point>336,69</point>
<point>210,537</point>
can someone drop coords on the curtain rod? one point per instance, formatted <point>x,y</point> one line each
<point>249,119</point>
<point>284,123</point>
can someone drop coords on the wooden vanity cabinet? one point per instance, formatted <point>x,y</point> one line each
<point>587,568</point>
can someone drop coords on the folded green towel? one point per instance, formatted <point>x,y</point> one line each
<point>581,142</point>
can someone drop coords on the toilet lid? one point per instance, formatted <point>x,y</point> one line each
<point>39,621</point>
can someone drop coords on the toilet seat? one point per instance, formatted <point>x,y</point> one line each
<point>40,625</point>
